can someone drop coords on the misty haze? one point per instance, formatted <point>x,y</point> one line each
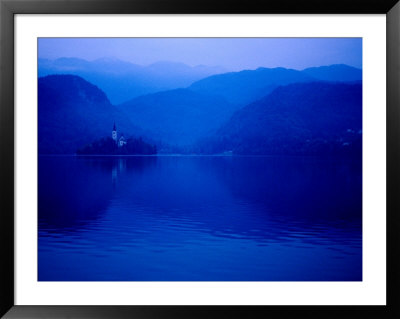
<point>195,159</point>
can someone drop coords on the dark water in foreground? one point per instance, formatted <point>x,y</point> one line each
<point>199,219</point>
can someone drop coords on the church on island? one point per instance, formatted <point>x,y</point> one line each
<point>117,145</point>
<point>122,141</point>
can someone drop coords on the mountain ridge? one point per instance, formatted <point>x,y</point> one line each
<point>123,80</point>
<point>302,118</point>
<point>73,112</point>
<point>176,119</point>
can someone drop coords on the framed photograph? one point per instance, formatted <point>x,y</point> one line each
<point>190,160</point>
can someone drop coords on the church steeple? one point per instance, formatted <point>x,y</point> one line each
<point>114,133</point>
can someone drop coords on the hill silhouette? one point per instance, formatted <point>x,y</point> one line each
<point>178,117</point>
<point>303,118</point>
<point>122,80</point>
<point>74,112</point>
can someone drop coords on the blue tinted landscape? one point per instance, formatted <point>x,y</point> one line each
<point>200,159</point>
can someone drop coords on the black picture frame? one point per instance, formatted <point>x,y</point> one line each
<point>9,8</point>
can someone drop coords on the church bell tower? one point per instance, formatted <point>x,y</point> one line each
<point>114,133</point>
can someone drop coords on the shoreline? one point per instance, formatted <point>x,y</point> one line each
<point>326,157</point>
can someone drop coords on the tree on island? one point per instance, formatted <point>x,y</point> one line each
<point>108,146</point>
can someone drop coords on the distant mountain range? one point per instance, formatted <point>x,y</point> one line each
<point>246,86</point>
<point>122,80</point>
<point>182,116</point>
<point>247,112</point>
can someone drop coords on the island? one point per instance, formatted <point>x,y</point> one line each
<point>114,146</point>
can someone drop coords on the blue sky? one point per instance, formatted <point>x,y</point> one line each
<point>231,53</point>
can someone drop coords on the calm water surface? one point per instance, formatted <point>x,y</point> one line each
<point>187,218</point>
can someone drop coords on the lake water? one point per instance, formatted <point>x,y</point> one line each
<point>182,218</point>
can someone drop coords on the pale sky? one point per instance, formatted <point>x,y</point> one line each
<point>231,53</point>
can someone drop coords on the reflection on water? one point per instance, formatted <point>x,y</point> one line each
<point>199,218</point>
